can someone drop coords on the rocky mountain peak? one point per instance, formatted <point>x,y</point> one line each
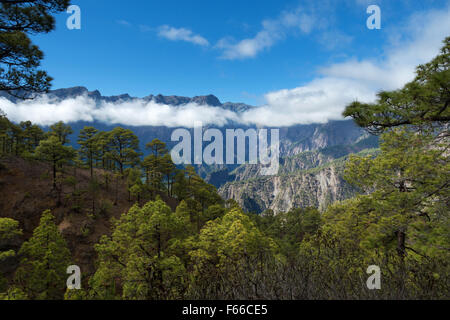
<point>209,100</point>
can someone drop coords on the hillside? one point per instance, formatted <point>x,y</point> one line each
<point>26,192</point>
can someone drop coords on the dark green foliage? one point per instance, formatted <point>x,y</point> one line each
<point>123,148</point>
<point>89,146</point>
<point>421,103</point>
<point>140,256</point>
<point>10,235</point>
<point>54,152</point>
<point>45,258</point>
<point>19,57</point>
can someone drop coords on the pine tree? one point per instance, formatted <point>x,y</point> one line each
<point>61,131</point>
<point>52,150</point>
<point>421,103</point>
<point>168,169</point>
<point>32,135</point>
<point>409,179</point>
<point>230,258</point>
<point>19,57</point>
<point>89,147</point>
<point>123,148</point>
<point>4,126</point>
<point>42,270</point>
<point>179,186</point>
<point>16,136</point>
<point>10,234</point>
<point>134,183</point>
<point>153,165</point>
<point>404,210</point>
<point>141,257</point>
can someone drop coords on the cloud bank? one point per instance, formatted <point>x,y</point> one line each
<point>137,112</point>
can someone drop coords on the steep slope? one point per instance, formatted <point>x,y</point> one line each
<point>308,179</point>
<point>26,191</point>
<point>284,192</point>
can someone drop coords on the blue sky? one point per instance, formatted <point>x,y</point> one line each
<point>298,61</point>
<point>121,48</point>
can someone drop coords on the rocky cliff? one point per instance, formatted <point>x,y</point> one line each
<point>311,178</point>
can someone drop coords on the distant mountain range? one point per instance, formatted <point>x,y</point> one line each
<point>74,92</point>
<point>312,155</point>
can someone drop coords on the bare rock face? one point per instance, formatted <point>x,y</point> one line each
<point>282,193</point>
<point>310,178</point>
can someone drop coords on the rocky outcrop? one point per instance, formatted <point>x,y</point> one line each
<point>310,178</point>
<point>284,192</point>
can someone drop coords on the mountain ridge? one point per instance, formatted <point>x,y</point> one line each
<point>172,100</point>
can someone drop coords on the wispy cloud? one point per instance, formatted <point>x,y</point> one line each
<point>325,97</point>
<point>181,34</point>
<point>273,31</point>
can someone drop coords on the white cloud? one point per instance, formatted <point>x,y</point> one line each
<point>326,97</point>
<point>247,48</point>
<point>421,41</point>
<point>137,112</point>
<point>43,112</point>
<point>181,34</point>
<point>317,102</point>
<point>272,31</point>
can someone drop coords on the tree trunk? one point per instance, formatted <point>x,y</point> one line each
<point>401,236</point>
<point>54,175</point>
<point>92,169</point>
